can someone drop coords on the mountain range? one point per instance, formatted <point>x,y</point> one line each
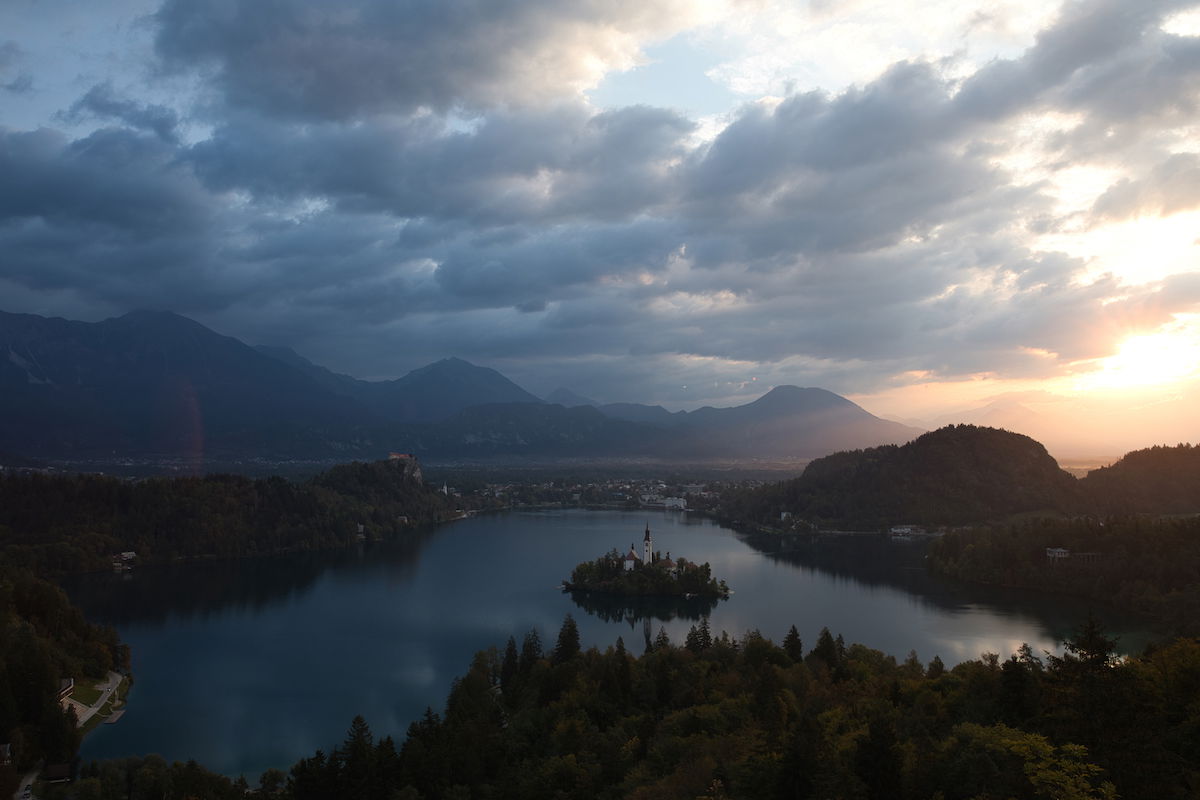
<point>150,384</point>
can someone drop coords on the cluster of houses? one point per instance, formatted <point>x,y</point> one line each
<point>1062,555</point>
<point>123,562</point>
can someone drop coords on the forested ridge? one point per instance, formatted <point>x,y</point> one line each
<point>964,474</point>
<point>1155,480</point>
<point>951,476</point>
<point>718,717</point>
<point>73,523</point>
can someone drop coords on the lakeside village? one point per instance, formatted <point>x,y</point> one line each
<point>648,494</point>
<point>619,493</point>
<point>650,574</point>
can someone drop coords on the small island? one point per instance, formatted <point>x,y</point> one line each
<point>649,574</point>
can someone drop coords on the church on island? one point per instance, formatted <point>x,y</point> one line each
<point>633,560</point>
<point>646,573</point>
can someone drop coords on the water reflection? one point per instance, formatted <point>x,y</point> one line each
<point>619,608</point>
<point>154,595</point>
<point>245,665</point>
<point>613,608</point>
<point>877,561</point>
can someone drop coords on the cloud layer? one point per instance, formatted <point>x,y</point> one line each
<point>381,184</point>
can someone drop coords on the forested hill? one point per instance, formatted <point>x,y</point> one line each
<point>74,523</point>
<point>1157,480</point>
<point>954,475</point>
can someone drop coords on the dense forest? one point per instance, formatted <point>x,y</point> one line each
<point>662,578</point>
<point>1147,565</point>
<point>964,474</point>
<point>718,717</point>
<point>1156,480</point>
<point>954,475</point>
<point>43,639</point>
<point>52,524</point>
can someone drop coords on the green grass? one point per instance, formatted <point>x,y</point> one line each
<point>106,710</point>
<point>86,693</point>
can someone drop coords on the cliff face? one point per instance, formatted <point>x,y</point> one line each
<point>410,468</point>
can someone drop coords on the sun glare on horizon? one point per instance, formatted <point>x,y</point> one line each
<point>1154,359</point>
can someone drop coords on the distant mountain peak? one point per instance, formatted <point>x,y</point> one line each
<point>438,390</point>
<point>789,392</point>
<point>448,366</point>
<point>144,316</point>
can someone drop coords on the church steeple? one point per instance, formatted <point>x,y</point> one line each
<point>647,546</point>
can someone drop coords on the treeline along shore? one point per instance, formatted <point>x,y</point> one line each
<point>1125,536</point>
<point>53,524</point>
<point>1150,566</point>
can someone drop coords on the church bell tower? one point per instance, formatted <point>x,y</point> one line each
<point>647,546</point>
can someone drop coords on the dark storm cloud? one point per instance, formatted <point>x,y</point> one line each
<point>555,262</point>
<point>382,184</point>
<point>533,167</point>
<point>111,214</point>
<point>113,179</point>
<point>104,103</point>
<point>315,60</point>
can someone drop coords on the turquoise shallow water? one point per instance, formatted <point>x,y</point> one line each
<point>252,664</point>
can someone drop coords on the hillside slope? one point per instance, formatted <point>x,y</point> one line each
<point>954,475</point>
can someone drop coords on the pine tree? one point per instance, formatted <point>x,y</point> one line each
<point>510,665</point>
<point>531,650</point>
<point>793,646</point>
<point>826,650</point>
<point>936,668</point>
<point>567,646</point>
<point>699,638</point>
<point>662,640</point>
<point>357,755</point>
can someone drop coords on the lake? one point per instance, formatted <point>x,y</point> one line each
<point>252,664</point>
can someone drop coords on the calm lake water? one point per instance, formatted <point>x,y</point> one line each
<point>252,664</point>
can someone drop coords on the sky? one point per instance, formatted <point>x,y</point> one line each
<point>944,209</point>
